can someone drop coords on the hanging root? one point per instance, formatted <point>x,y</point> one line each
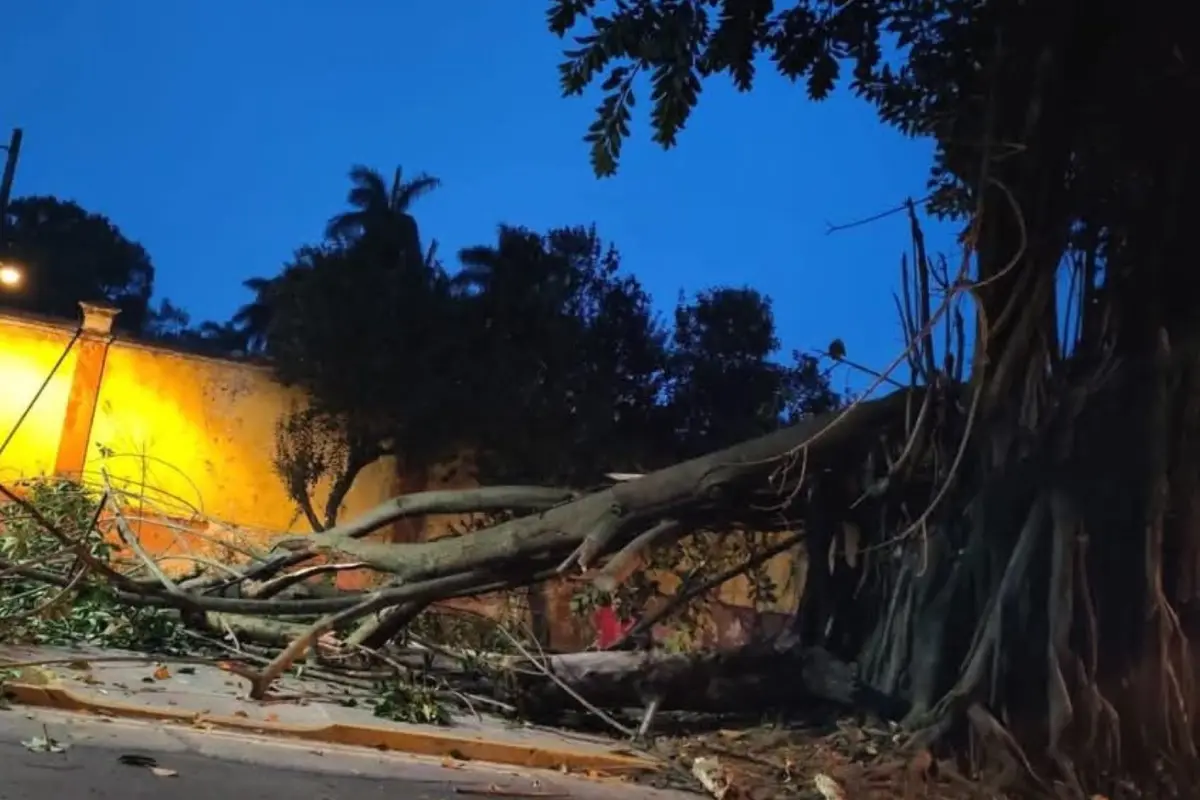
<point>1169,659</point>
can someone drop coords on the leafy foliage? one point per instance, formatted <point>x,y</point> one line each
<point>72,255</point>
<point>312,447</point>
<point>672,571</point>
<point>540,353</point>
<point>565,349</point>
<point>676,44</point>
<point>411,700</point>
<point>170,324</point>
<point>36,612</point>
<point>366,340</point>
<point>722,384</point>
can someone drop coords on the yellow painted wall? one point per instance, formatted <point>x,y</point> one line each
<point>199,433</point>
<point>195,436</point>
<point>28,350</point>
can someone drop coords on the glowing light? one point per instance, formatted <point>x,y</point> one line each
<point>10,276</point>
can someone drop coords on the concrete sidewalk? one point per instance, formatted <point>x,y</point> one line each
<point>99,758</point>
<point>134,686</point>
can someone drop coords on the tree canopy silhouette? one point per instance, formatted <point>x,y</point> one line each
<point>539,355</point>
<point>71,255</point>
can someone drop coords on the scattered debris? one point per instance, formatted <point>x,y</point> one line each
<point>45,744</point>
<point>499,791</point>
<point>711,776</point>
<point>146,762</point>
<point>828,787</point>
<point>137,760</point>
<point>847,760</point>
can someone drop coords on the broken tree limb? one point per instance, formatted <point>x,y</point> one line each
<point>131,539</point>
<point>462,584</point>
<point>375,632</point>
<point>260,682</point>
<point>261,630</point>
<point>446,587</point>
<point>299,549</point>
<point>616,570</point>
<point>276,585</point>
<point>753,679</point>
<point>441,501</point>
<point>627,507</point>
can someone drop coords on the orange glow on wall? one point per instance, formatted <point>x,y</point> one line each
<point>28,351</point>
<point>189,439</point>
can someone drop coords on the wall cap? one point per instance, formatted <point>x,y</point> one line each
<point>97,318</point>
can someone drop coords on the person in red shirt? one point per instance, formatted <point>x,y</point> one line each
<point>609,627</point>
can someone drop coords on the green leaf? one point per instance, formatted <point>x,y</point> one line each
<point>615,78</point>
<point>563,14</point>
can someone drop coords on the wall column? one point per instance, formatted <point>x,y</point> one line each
<point>91,352</point>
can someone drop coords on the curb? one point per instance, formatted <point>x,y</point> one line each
<point>433,744</point>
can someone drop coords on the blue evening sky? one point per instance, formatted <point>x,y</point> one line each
<point>219,133</point>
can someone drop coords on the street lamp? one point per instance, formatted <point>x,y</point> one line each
<point>11,276</point>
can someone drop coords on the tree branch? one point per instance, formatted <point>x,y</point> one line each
<point>611,575</point>
<point>443,501</point>
<point>276,585</point>
<point>683,598</point>
<point>563,528</point>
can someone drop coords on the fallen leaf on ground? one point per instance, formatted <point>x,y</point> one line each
<point>711,776</point>
<point>828,787</point>
<point>35,676</point>
<point>161,673</point>
<point>44,744</point>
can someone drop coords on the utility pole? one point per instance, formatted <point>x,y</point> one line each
<point>6,182</point>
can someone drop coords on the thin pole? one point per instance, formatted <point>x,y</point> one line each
<point>6,182</point>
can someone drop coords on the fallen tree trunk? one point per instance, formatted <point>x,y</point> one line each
<point>720,487</point>
<point>751,680</point>
<point>754,482</point>
<point>586,528</point>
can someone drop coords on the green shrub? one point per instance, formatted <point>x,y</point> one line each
<point>33,612</point>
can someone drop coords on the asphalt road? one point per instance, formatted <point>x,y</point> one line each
<point>95,772</point>
<point>203,764</point>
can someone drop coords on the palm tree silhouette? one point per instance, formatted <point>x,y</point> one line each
<point>254,318</point>
<point>517,263</point>
<point>378,226</point>
<point>379,216</point>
